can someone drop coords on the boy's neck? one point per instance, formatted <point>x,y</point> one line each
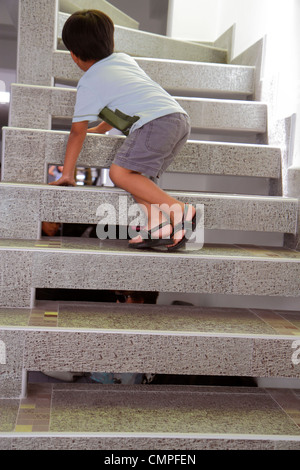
<point>82,64</point>
<point>85,65</point>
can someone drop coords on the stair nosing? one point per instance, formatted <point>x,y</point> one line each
<point>120,434</point>
<point>102,251</point>
<point>115,331</point>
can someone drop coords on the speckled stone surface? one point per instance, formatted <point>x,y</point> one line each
<point>208,114</point>
<point>111,264</point>
<point>154,417</point>
<point>36,40</point>
<point>40,148</point>
<point>24,207</point>
<point>138,352</point>
<point>176,76</point>
<point>15,278</point>
<point>11,370</point>
<point>152,338</point>
<point>18,215</point>
<point>294,181</point>
<point>144,44</point>
<point>144,442</point>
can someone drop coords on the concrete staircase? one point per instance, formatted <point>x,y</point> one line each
<point>230,142</point>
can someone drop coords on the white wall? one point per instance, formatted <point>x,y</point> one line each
<point>193,19</point>
<point>278,20</point>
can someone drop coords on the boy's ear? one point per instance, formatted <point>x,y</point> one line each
<point>74,57</point>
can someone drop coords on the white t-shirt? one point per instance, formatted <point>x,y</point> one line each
<point>117,82</point>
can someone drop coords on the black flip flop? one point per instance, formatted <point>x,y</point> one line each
<point>187,225</point>
<point>148,241</point>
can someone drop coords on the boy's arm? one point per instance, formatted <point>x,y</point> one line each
<point>74,146</point>
<point>51,169</point>
<point>100,129</point>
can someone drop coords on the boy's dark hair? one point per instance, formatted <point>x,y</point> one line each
<point>89,34</point>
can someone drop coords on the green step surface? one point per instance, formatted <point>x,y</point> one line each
<point>160,339</point>
<point>84,416</point>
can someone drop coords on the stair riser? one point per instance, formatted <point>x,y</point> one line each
<point>24,208</point>
<point>42,148</point>
<point>160,353</point>
<point>175,76</point>
<point>39,268</point>
<point>33,107</point>
<point>122,441</point>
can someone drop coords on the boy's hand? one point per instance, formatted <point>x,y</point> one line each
<point>64,181</point>
<point>74,146</point>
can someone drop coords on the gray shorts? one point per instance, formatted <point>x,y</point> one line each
<point>151,148</point>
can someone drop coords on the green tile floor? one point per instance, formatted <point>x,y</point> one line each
<point>88,408</point>
<point>133,317</point>
<point>174,318</point>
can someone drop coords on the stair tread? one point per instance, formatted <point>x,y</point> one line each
<point>158,319</point>
<point>110,264</point>
<point>142,43</point>
<point>82,204</point>
<point>205,113</point>
<point>215,158</point>
<point>176,75</point>
<point>224,415</point>
<point>111,247</point>
<point>156,339</point>
<point>115,190</point>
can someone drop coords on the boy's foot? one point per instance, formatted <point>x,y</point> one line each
<point>160,235</point>
<point>182,230</point>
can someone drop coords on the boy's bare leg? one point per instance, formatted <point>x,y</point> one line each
<point>146,192</point>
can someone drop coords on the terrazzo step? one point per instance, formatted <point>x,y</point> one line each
<point>175,76</point>
<point>151,417</point>
<point>143,44</point>
<point>153,339</point>
<point>34,106</point>
<point>37,46</point>
<point>41,148</point>
<point>87,263</point>
<point>24,207</point>
<point>118,16</point>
